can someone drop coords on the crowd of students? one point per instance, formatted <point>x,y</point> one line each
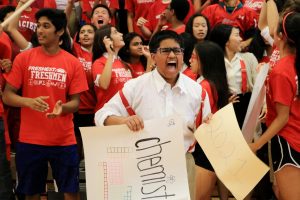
<point>68,64</point>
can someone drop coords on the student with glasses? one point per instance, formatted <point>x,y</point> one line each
<point>167,92</point>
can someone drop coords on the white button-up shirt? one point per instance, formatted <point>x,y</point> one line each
<point>234,75</point>
<point>151,97</point>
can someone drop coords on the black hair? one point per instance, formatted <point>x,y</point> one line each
<point>59,20</point>
<point>5,10</point>
<point>291,30</point>
<point>99,46</point>
<point>221,34</point>
<point>164,35</point>
<point>181,8</point>
<point>257,45</point>
<point>214,70</point>
<point>77,35</point>
<point>102,6</point>
<point>189,25</point>
<point>124,52</point>
<point>189,43</point>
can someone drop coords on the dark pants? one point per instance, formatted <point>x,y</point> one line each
<point>6,186</point>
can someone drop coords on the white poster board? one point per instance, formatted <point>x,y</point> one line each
<point>125,165</point>
<point>233,161</point>
<point>255,104</point>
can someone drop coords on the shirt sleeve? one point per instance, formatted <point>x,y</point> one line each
<point>15,76</point>
<point>281,88</point>
<point>129,5</point>
<point>206,108</point>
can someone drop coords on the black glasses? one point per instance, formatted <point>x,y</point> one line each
<point>167,51</point>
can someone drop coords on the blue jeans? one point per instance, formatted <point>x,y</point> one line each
<point>6,186</point>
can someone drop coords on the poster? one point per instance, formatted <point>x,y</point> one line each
<point>255,104</point>
<point>125,165</point>
<point>233,161</point>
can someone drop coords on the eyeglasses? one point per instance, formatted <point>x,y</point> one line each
<point>167,51</point>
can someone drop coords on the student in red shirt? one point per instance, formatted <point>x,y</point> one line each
<point>232,12</point>
<point>174,15</point>
<point>87,7</point>
<point>6,187</point>
<point>135,55</point>
<point>283,103</point>
<point>51,80</point>
<point>212,72</point>
<point>109,73</point>
<point>82,49</point>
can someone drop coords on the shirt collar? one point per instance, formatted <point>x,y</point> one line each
<point>237,56</point>
<point>200,79</point>
<point>161,84</point>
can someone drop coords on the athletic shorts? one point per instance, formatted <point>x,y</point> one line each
<point>200,158</point>
<point>283,154</point>
<point>32,168</point>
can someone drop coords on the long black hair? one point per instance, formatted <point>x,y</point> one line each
<point>289,26</point>
<point>257,45</point>
<point>124,52</point>
<point>221,34</point>
<point>213,67</point>
<point>99,46</point>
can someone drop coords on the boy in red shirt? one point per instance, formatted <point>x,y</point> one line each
<point>5,174</point>
<point>51,80</point>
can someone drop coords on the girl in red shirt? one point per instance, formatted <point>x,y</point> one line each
<point>283,117</point>
<point>82,49</point>
<point>109,73</point>
<point>135,55</point>
<point>213,80</point>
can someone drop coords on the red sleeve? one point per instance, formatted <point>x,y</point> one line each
<point>5,46</point>
<point>281,88</point>
<point>15,76</point>
<point>78,82</point>
<point>129,5</point>
<point>97,67</point>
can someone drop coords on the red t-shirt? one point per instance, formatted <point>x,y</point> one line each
<point>5,53</point>
<point>27,23</point>
<point>244,18</point>
<point>137,70</point>
<point>282,87</point>
<point>120,75</point>
<point>139,8</point>
<point>56,76</point>
<point>157,8</point>
<point>87,98</point>
<point>274,58</point>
